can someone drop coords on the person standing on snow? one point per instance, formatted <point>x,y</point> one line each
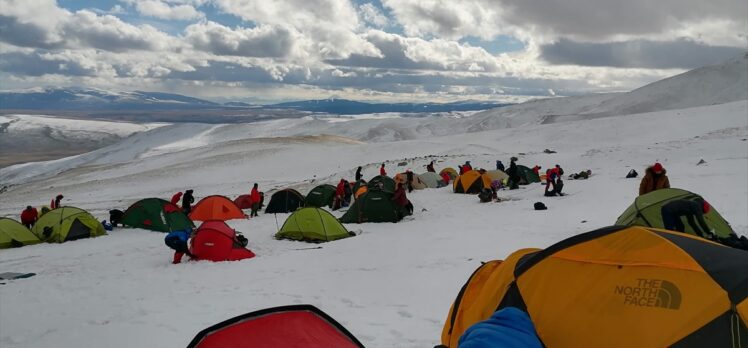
<point>655,178</point>
<point>55,203</point>
<point>513,173</point>
<point>29,216</point>
<point>358,174</point>
<point>254,199</point>
<point>430,167</point>
<point>187,200</point>
<point>382,172</point>
<point>409,180</point>
<point>499,165</point>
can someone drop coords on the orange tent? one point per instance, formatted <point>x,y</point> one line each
<point>216,208</point>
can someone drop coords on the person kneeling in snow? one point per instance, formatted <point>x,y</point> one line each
<point>177,240</point>
<point>401,201</point>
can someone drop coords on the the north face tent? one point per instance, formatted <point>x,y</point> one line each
<point>320,196</point>
<point>66,224</point>
<point>497,175</point>
<point>645,211</point>
<point>382,183</point>
<point>372,206</point>
<point>431,179</point>
<point>616,287</point>
<point>287,326</point>
<point>471,182</point>
<point>216,241</point>
<point>13,234</point>
<point>243,202</point>
<point>451,172</point>
<point>285,201</point>
<point>526,175</point>
<point>216,208</point>
<point>156,214</point>
<point>313,225</point>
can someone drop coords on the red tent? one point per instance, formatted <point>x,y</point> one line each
<point>288,326</point>
<point>243,202</point>
<point>216,241</point>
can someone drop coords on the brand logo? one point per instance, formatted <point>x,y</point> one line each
<point>650,293</point>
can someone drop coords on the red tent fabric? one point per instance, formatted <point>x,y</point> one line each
<point>216,241</point>
<point>289,326</point>
<point>216,208</point>
<point>243,202</point>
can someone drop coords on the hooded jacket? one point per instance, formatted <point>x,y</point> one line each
<point>652,182</point>
<point>176,197</point>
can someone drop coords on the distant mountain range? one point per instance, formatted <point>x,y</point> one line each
<point>90,99</point>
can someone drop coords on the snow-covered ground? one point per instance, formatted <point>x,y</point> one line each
<point>392,285</point>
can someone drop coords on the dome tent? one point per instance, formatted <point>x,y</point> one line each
<point>66,224</point>
<point>471,181</point>
<point>645,211</point>
<point>615,287</point>
<point>313,225</point>
<point>156,214</point>
<point>285,201</point>
<point>321,196</point>
<point>214,240</point>
<point>216,208</point>
<point>373,206</point>
<point>14,234</point>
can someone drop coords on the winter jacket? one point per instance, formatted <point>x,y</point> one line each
<point>689,209</point>
<point>399,197</point>
<point>176,197</point>
<point>340,189</point>
<point>446,177</point>
<point>254,196</point>
<point>500,166</point>
<point>509,327</point>
<point>382,172</point>
<point>536,170</point>
<point>29,216</point>
<point>467,168</point>
<point>358,174</point>
<point>652,182</point>
<point>430,167</point>
<point>513,172</point>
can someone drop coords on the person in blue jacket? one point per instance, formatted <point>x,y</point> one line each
<point>177,240</point>
<point>508,327</point>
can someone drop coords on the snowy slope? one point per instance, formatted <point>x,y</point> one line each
<point>708,85</point>
<point>26,138</point>
<point>392,285</point>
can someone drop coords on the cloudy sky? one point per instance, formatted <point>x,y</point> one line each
<point>384,50</point>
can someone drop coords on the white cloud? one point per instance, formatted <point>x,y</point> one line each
<point>373,16</point>
<point>262,41</point>
<point>164,10</point>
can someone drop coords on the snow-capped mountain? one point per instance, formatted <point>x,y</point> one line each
<point>75,98</point>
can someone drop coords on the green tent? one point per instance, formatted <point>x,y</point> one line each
<point>13,234</point>
<point>382,183</point>
<point>645,211</point>
<point>320,196</point>
<point>156,214</point>
<point>312,225</point>
<point>526,175</point>
<point>65,224</point>
<point>373,206</point>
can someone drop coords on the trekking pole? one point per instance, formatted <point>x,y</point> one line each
<point>276,221</point>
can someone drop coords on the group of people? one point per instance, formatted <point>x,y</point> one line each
<point>30,215</point>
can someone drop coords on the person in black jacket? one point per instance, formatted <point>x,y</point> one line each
<point>187,200</point>
<point>672,212</point>
<point>513,173</point>
<point>358,174</point>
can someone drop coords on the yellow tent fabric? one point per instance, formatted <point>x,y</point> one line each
<point>624,287</point>
<point>497,175</point>
<point>14,234</point>
<point>471,182</point>
<point>451,171</point>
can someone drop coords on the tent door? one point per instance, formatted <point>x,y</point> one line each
<point>77,231</point>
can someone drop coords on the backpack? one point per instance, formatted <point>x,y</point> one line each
<point>540,206</point>
<point>632,174</point>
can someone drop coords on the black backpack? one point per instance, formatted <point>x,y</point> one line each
<point>632,174</point>
<point>540,206</point>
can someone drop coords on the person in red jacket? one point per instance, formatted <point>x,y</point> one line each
<point>446,178</point>
<point>401,201</point>
<point>536,170</point>
<point>254,198</point>
<point>29,216</point>
<point>382,172</point>
<point>176,197</point>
